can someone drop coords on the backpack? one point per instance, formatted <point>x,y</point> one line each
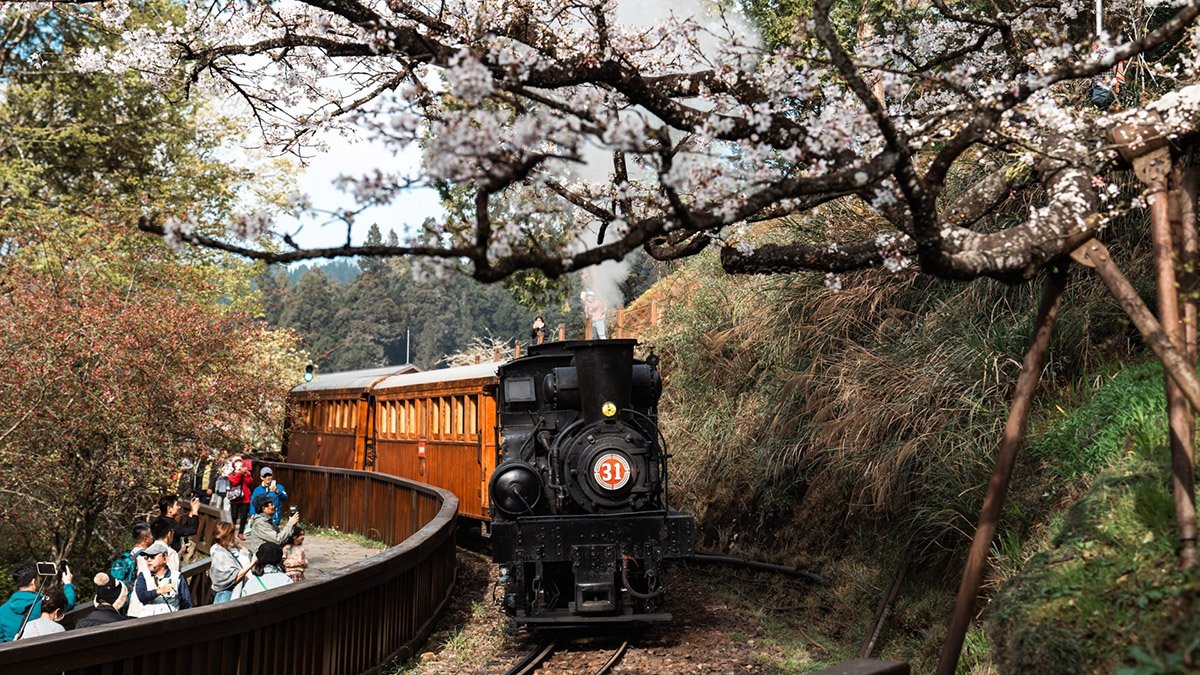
<point>123,568</point>
<point>228,490</point>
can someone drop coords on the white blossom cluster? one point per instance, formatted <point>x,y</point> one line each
<point>567,116</point>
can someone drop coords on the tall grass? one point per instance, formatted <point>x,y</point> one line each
<point>802,409</point>
<point>852,429</point>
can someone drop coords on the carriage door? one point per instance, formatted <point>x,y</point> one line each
<point>367,431</point>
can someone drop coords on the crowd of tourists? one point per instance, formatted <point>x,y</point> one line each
<point>254,550</point>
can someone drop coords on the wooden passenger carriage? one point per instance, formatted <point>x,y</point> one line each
<point>436,427</point>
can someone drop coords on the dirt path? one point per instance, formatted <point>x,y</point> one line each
<point>326,554</point>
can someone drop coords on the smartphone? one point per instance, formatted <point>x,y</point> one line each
<point>47,569</point>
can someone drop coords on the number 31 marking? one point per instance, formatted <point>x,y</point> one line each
<point>611,471</point>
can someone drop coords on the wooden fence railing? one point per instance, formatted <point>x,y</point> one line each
<point>349,621</point>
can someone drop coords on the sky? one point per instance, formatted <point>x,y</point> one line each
<point>354,156</point>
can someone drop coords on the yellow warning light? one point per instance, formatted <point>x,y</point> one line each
<point>609,409</point>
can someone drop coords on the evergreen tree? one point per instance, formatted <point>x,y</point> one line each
<point>368,264</point>
<point>272,286</point>
<point>367,318</point>
<point>311,311</point>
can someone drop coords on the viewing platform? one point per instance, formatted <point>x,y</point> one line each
<point>343,619</point>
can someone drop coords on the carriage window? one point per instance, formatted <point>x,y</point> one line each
<point>458,415</point>
<point>472,417</point>
<point>439,417</point>
<point>445,427</point>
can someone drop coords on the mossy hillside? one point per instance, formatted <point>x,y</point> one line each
<point>1100,590</point>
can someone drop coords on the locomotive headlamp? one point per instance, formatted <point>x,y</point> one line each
<point>609,409</point>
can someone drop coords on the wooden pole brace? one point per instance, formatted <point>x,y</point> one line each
<point>1095,255</point>
<point>1010,445</point>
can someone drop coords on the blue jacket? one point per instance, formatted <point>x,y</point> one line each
<point>279,496</point>
<point>13,612</point>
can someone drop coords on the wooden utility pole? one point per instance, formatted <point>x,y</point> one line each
<point>1143,145</point>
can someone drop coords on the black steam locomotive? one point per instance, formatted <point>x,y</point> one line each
<point>580,524</point>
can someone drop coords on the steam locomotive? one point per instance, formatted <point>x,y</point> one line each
<point>579,519</point>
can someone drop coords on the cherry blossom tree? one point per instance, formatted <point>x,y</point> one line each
<point>111,380</point>
<point>701,128</point>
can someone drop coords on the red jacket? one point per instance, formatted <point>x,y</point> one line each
<point>243,480</point>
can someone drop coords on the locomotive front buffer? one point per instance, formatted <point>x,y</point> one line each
<point>612,565</point>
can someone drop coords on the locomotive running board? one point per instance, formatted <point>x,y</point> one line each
<point>656,534</point>
<point>576,620</point>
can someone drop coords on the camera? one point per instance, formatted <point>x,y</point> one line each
<point>293,510</point>
<point>47,569</point>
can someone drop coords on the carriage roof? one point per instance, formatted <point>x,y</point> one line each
<point>394,377</point>
<point>352,379</point>
<point>459,373</point>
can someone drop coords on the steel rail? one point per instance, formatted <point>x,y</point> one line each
<point>614,659</point>
<point>534,659</point>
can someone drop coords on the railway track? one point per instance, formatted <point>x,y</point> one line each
<point>541,653</point>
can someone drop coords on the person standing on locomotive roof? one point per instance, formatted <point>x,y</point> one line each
<point>593,310</point>
<point>240,483</point>
<point>272,489</point>
<point>263,529</point>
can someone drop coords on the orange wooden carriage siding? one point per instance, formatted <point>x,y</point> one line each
<point>385,419</point>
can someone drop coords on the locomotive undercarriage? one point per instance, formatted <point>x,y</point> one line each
<point>567,570</point>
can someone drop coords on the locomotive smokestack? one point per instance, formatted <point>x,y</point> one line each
<point>605,371</point>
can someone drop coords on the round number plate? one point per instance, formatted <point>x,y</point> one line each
<point>611,471</point>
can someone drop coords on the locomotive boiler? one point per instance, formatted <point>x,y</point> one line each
<point>581,528</point>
